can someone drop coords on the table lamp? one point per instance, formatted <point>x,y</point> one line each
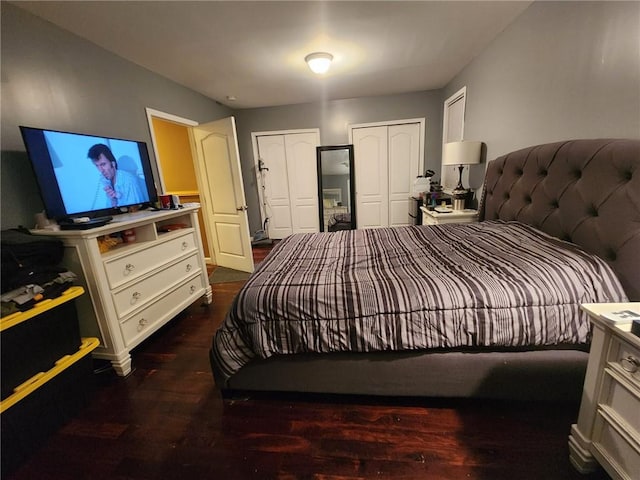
<point>461,153</point>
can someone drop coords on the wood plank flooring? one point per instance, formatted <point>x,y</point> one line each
<point>167,421</point>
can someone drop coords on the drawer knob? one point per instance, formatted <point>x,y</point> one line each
<point>184,245</point>
<point>192,289</point>
<point>135,296</point>
<point>630,364</point>
<point>189,267</point>
<point>129,267</point>
<point>142,323</point>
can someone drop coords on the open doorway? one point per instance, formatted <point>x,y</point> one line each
<point>174,162</point>
<point>200,163</point>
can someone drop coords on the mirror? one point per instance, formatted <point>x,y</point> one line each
<point>336,188</point>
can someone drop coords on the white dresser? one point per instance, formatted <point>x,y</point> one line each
<point>608,427</point>
<point>135,287</point>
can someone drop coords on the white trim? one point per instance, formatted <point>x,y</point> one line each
<point>170,117</point>
<point>254,147</point>
<point>285,132</point>
<point>460,95</point>
<point>387,123</point>
<point>150,112</point>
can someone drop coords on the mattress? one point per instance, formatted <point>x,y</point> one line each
<point>488,284</point>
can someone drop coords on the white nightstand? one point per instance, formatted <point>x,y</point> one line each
<point>608,427</point>
<point>431,217</point>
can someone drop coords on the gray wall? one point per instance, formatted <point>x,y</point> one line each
<point>562,70</point>
<point>333,118</point>
<point>53,79</point>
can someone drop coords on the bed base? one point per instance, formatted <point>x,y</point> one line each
<point>538,375</point>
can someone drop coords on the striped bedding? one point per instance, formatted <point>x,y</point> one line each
<point>487,284</point>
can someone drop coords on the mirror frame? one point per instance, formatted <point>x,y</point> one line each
<point>352,182</point>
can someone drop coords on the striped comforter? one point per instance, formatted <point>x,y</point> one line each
<point>480,284</point>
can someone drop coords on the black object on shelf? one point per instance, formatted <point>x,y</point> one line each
<point>635,328</point>
<point>91,223</point>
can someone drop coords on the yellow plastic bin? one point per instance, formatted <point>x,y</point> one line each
<point>33,340</point>
<point>40,404</point>
<point>44,403</point>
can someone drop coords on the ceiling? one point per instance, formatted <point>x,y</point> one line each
<point>254,51</point>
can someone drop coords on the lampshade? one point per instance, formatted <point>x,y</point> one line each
<point>319,62</point>
<point>461,153</point>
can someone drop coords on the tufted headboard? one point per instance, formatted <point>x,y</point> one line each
<point>583,191</point>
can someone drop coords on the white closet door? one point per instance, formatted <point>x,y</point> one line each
<point>276,185</point>
<point>404,167</point>
<point>371,171</point>
<point>302,176</point>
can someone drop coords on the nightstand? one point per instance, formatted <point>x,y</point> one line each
<point>608,427</point>
<point>431,217</point>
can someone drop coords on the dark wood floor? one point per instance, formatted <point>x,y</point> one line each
<point>167,421</point>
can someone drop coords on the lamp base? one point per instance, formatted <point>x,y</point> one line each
<point>459,186</point>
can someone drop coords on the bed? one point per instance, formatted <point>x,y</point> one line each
<point>483,310</point>
<point>339,221</point>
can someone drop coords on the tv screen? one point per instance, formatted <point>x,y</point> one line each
<point>84,175</point>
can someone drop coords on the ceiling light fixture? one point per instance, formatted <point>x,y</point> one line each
<point>319,62</point>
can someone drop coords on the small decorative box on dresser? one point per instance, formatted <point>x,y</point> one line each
<point>608,427</point>
<point>433,217</point>
<point>136,286</point>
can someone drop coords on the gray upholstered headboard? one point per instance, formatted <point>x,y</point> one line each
<point>583,191</point>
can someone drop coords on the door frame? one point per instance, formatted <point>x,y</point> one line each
<point>460,95</point>
<point>254,146</point>
<point>150,113</point>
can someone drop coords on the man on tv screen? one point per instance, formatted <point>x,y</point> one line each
<point>119,187</point>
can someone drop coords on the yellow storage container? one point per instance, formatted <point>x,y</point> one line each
<point>40,394</point>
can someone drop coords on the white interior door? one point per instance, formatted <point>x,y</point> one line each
<point>288,181</point>
<point>303,181</point>
<point>219,177</point>
<point>405,164</point>
<point>275,195</point>
<point>370,146</point>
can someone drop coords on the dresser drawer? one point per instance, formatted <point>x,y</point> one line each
<point>130,267</point>
<point>140,293</point>
<point>615,448</point>
<point>622,400</point>
<point>137,327</point>
<point>625,359</point>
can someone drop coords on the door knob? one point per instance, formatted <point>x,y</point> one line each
<point>243,208</point>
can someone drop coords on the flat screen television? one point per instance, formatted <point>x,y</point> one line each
<point>88,176</point>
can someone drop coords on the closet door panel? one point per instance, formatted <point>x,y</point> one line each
<point>372,196</point>
<point>404,167</point>
<point>276,192</point>
<point>280,221</point>
<point>303,181</point>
